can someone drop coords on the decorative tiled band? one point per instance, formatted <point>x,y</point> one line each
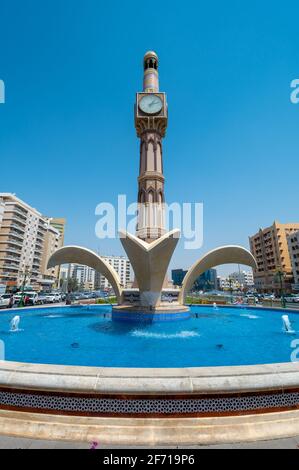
<point>98,405</point>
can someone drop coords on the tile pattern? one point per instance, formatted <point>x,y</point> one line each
<point>147,406</point>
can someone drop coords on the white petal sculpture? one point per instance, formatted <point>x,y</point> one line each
<point>80,255</point>
<point>222,255</point>
<point>150,262</point>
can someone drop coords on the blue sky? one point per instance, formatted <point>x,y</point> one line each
<point>67,138</point>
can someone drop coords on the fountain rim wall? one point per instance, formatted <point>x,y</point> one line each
<point>193,380</point>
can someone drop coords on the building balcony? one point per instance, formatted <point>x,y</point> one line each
<point>35,272</point>
<point>9,258</point>
<point>14,268</point>
<point>9,249</point>
<point>41,228</point>
<point>14,218</point>
<point>14,226</point>
<point>16,235</point>
<point>40,234</point>
<point>11,241</point>
<point>11,276</point>
<point>19,211</point>
<point>6,243</point>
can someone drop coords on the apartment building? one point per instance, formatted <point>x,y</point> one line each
<point>293,242</point>
<point>243,278</point>
<point>88,278</point>
<point>84,274</point>
<point>270,248</point>
<point>52,241</point>
<point>123,268</point>
<point>26,240</point>
<point>227,284</point>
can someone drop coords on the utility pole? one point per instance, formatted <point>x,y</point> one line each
<point>231,289</point>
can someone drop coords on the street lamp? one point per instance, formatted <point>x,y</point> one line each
<point>25,273</point>
<point>231,289</point>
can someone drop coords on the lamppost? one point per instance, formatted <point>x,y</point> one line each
<point>231,289</point>
<point>25,273</point>
<point>280,276</point>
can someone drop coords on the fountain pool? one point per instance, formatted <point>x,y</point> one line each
<point>223,375</point>
<point>87,336</point>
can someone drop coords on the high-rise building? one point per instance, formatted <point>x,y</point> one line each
<point>88,278</point>
<point>177,276</point>
<point>269,246</point>
<point>123,268</point>
<point>293,242</point>
<point>26,240</point>
<point>84,274</point>
<point>52,241</point>
<point>243,278</point>
<point>59,224</point>
<point>206,281</point>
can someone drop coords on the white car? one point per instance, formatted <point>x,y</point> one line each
<point>31,296</point>
<point>292,298</point>
<point>5,300</point>
<point>50,298</point>
<point>58,297</point>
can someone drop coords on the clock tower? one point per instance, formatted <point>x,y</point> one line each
<point>150,124</point>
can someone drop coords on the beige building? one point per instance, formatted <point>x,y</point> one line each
<point>26,239</point>
<point>59,224</point>
<point>52,241</point>
<point>269,246</point>
<point>293,241</point>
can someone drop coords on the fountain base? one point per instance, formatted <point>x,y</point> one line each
<point>161,313</point>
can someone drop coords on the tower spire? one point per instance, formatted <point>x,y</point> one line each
<point>150,74</point>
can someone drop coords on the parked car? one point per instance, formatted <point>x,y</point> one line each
<point>57,296</point>
<point>41,299</point>
<point>32,298</point>
<point>268,296</point>
<point>50,298</point>
<point>5,301</point>
<point>292,298</point>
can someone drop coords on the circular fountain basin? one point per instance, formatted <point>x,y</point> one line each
<point>88,336</point>
<point>223,375</point>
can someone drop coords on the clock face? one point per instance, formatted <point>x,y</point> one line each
<point>150,104</point>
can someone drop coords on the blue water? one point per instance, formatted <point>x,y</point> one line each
<point>87,336</point>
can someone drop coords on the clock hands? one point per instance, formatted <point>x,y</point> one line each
<point>153,102</point>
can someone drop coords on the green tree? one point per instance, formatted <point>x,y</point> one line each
<point>73,285</point>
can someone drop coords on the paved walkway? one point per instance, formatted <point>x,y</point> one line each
<point>22,443</point>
